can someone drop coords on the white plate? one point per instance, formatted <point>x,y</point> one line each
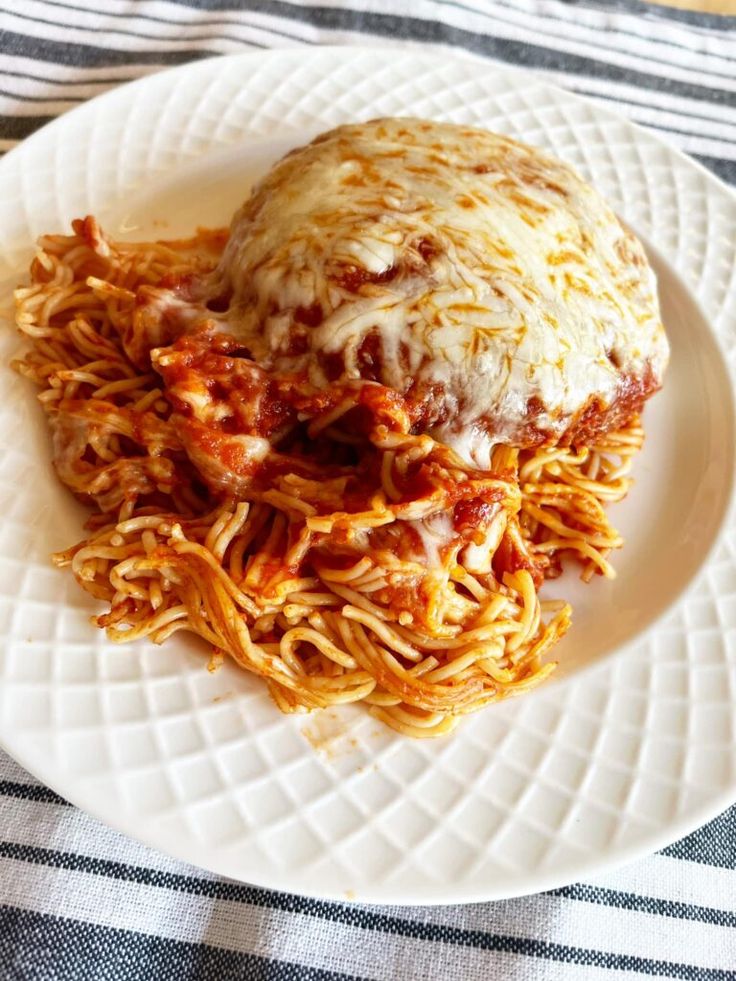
<point>632,743</point>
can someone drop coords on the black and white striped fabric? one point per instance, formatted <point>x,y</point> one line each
<point>78,901</point>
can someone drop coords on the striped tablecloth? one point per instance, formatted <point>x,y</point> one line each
<point>80,901</point>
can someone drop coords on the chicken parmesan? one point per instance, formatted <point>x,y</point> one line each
<point>347,440</point>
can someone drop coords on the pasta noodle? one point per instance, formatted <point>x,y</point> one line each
<point>361,562</point>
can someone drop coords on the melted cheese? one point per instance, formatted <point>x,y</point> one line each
<point>487,273</point>
<point>434,534</point>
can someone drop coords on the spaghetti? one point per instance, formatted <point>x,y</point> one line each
<point>310,534</point>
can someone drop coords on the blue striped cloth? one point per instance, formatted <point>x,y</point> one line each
<point>79,901</point>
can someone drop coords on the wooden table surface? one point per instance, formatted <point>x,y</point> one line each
<point>727,7</point>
